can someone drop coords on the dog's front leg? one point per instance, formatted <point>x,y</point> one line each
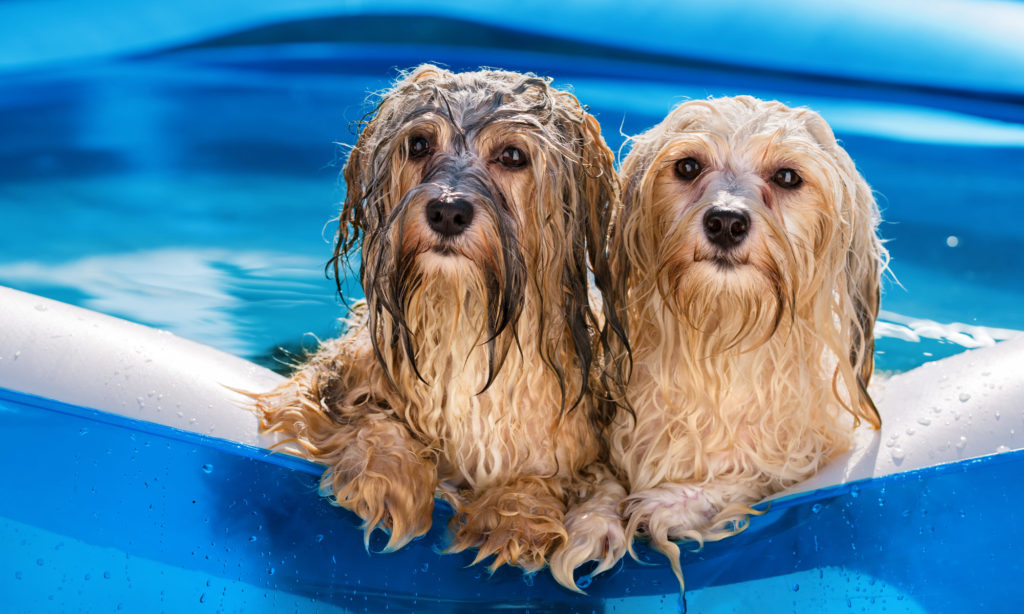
<point>593,525</point>
<point>385,476</point>
<point>520,522</point>
<point>336,415</point>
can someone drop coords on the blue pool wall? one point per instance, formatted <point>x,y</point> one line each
<point>112,512</point>
<point>961,45</point>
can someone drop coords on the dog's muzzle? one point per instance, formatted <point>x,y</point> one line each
<point>726,228</point>
<point>449,217</point>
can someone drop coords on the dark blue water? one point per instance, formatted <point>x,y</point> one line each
<point>114,515</point>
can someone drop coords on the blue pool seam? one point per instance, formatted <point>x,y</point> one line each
<point>162,430</point>
<point>314,469</point>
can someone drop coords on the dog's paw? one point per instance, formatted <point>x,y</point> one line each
<point>669,512</point>
<point>389,487</point>
<point>518,524</point>
<point>593,535</point>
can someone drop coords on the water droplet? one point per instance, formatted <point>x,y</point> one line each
<point>207,468</point>
<point>964,397</point>
<point>855,492</point>
<point>319,538</point>
<point>585,581</point>
<point>1000,449</point>
<point>960,444</point>
<point>106,575</point>
<point>271,571</point>
<point>816,508</point>
<point>202,598</point>
<point>425,567</point>
<point>252,538</point>
<point>528,579</point>
<point>923,421</point>
<point>17,575</point>
<point>898,455</point>
<point>796,587</point>
<point>952,241</point>
<point>40,562</point>
<point>83,431</point>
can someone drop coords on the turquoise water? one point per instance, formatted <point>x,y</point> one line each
<point>193,189</point>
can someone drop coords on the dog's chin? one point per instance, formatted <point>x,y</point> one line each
<point>729,275</point>
<point>444,260</point>
<point>723,263</point>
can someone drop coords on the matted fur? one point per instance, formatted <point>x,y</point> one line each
<point>750,367</point>
<point>467,369</point>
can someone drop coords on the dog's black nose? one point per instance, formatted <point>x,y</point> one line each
<point>726,228</point>
<point>449,217</point>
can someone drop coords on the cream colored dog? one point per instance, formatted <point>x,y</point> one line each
<point>748,258</point>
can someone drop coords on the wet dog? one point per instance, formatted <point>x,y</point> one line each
<point>749,262</point>
<point>475,201</point>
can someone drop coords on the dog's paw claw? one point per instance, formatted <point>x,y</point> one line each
<point>592,536</point>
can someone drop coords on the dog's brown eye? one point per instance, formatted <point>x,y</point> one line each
<point>688,169</point>
<point>787,178</point>
<point>418,147</point>
<point>512,157</point>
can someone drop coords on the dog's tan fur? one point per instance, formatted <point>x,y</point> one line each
<point>466,372</point>
<point>749,372</point>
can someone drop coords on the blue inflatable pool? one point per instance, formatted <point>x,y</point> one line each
<point>132,477</point>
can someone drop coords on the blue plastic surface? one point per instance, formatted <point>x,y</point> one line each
<point>112,513</point>
<point>943,44</point>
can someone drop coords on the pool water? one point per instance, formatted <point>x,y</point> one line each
<point>193,189</point>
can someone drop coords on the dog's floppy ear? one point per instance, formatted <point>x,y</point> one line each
<point>601,192</point>
<point>865,259</point>
<point>599,184</point>
<point>589,193</point>
<point>359,194</point>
